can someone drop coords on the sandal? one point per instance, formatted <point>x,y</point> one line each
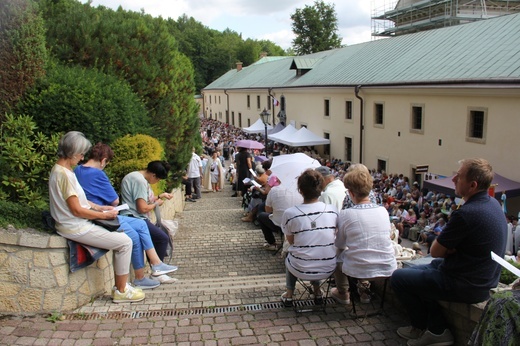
<point>287,302</point>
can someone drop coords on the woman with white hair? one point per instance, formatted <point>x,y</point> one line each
<point>73,214</point>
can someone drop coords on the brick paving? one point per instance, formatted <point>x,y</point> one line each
<point>227,294</point>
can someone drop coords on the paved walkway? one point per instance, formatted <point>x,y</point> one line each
<point>227,294</point>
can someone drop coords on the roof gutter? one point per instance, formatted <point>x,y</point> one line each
<point>361,121</point>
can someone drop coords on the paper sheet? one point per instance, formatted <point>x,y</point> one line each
<point>505,264</point>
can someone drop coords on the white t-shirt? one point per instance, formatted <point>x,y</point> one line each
<point>364,230</point>
<point>62,185</point>
<point>334,194</point>
<point>312,256</point>
<point>280,199</point>
<point>194,166</point>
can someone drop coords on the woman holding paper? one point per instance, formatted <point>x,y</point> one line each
<point>98,189</point>
<point>73,213</point>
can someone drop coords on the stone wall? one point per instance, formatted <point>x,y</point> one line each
<point>34,271</point>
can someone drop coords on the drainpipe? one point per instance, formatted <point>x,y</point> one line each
<point>227,106</point>
<point>269,90</point>
<point>361,121</point>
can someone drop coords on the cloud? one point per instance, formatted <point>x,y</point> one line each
<point>264,19</point>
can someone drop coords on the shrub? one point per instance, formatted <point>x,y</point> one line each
<point>506,277</point>
<point>26,159</point>
<point>21,216</point>
<point>132,153</point>
<point>99,105</point>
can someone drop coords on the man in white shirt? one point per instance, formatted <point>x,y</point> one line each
<point>278,200</point>
<point>334,190</point>
<point>194,174</point>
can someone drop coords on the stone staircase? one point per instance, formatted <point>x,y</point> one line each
<point>221,263</point>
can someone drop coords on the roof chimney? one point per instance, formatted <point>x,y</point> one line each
<point>239,66</point>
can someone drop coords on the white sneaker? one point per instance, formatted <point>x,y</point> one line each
<point>165,279</point>
<point>130,295</point>
<point>114,288</point>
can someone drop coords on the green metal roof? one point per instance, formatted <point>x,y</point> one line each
<point>480,52</point>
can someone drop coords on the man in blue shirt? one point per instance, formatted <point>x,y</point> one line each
<point>463,270</point>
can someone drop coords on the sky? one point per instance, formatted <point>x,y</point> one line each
<point>255,19</point>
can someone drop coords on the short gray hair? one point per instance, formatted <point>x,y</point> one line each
<point>73,143</point>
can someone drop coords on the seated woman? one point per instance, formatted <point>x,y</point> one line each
<point>99,190</point>
<point>363,233</point>
<point>137,193</point>
<point>257,195</point>
<point>310,230</point>
<point>72,212</point>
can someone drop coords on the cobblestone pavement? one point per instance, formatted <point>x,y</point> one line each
<point>227,294</point>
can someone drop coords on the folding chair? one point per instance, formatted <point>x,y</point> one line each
<point>373,310</point>
<point>301,305</point>
<point>280,247</point>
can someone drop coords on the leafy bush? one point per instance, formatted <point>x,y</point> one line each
<point>26,159</point>
<point>72,98</point>
<point>21,216</point>
<point>506,277</point>
<point>132,153</point>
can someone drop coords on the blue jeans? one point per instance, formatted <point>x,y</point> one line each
<point>138,231</point>
<point>420,288</point>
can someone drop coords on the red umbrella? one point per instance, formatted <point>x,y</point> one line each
<point>249,144</point>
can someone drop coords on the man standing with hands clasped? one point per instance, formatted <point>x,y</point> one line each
<point>463,270</point>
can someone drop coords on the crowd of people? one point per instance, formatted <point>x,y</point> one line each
<point>346,220</point>
<point>341,220</point>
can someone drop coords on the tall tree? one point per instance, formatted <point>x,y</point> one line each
<point>315,28</point>
<point>22,50</point>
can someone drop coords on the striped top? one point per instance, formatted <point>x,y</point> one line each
<point>313,254</point>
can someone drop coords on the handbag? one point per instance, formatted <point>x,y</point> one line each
<point>112,225</point>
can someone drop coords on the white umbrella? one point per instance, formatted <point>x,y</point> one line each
<point>289,167</point>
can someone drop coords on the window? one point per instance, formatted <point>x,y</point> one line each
<point>326,106</point>
<point>233,118</point>
<point>239,119</point>
<point>348,110</point>
<point>248,102</point>
<point>219,99</point>
<point>248,122</point>
<point>476,125</point>
<point>258,101</point>
<point>209,99</point>
<point>282,103</point>
<point>268,102</point>
<point>417,119</point>
<point>381,165</point>
<point>348,149</point>
<point>378,114</point>
<point>326,147</point>
<point>303,125</point>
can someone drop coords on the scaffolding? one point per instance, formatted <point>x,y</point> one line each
<point>399,17</point>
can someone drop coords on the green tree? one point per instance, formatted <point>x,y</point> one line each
<point>138,48</point>
<point>22,50</point>
<point>101,106</point>
<point>315,28</point>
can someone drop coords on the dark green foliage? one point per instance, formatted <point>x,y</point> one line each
<point>137,48</point>
<point>506,277</point>
<point>22,50</point>
<point>132,153</point>
<point>73,98</point>
<point>26,159</point>
<point>315,28</point>
<point>21,216</point>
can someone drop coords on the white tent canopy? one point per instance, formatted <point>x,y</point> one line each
<point>287,132</point>
<point>303,137</point>
<point>279,127</point>
<point>257,127</point>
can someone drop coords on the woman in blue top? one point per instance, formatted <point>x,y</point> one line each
<point>99,190</point>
